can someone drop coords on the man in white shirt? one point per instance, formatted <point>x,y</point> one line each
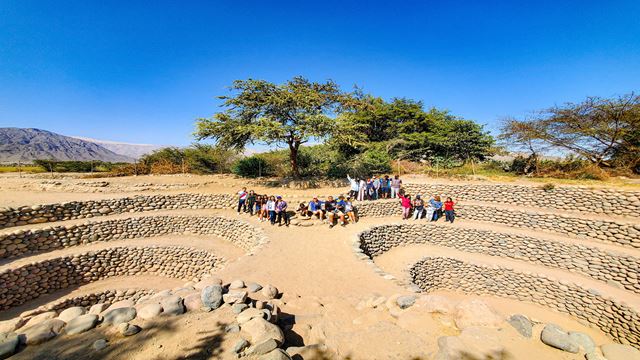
<point>242,200</point>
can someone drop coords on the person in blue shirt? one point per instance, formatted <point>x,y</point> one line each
<point>338,210</point>
<point>437,205</point>
<point>315,207</point>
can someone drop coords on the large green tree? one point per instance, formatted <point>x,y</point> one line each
<point>291,113</point>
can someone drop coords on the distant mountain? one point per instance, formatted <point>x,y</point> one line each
<point>135,151</point>
<point>26,145</point>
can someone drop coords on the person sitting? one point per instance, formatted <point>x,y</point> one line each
<point>418,207</point>
<point>449,212</point>
<point>437,205</point>
<point>430,209</point>
<point>338,211</point>
<point>315,207</point>
<point>329,209</point>
<point>303,210</point>
<point>349,210</point>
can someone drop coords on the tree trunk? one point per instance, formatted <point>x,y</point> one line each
<point>293,158</point>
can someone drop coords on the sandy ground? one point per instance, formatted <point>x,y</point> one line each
<point>323,282</point>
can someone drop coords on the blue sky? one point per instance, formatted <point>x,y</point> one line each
<point>142,71</point>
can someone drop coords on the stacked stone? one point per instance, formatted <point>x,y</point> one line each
<point>600,201</point>
<point>615,319</point>
<point>106,297</point>
<point>599,264</point>
<point>86,209</point>
<point>23,242</point>
<point>33,280</point>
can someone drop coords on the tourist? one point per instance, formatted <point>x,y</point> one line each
<point>271,208</point>
<point>349,210</point>
<point>430,210</point>
<point>281,211</point>
<point>370,189</point>
<point>251,200</point>
<point>329,208</point>
<point>315,207</point>
<point>418,206</point>
<point>355,186</point>
<point>405,201</point>
<point>242,198</point>
<point>396,184</point>
<point>385,184</point>
<point>303,210</point>
<point>263,208</point>
<point>258,206</point>
<point>338,211</point>
<point>449,213</point>
<point>437,205</point>
<point>362,188</point>
<point>376,188</point>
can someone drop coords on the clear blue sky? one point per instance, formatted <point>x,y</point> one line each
<point>142,71</point>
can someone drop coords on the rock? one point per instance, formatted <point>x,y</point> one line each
<point>100,344</point>
<point>8,326</point>
<point>149,311</point>
<point>436,304</point>
<point>276,354</point>
<point>119,315</point>
<point>8,344</point>
<point>270,292</point>
<point>248,314</point>
<point>405,301</point>
<point>71,313</point>
<point>260,330</point>
<point>262,347</point>
<point>81,324</point>
<point>121,304</point>
<point>594,356</point>
<point>126,329</point>
<point>193,302</point>
<point>476,312</point>
<point>522,324</point>
<point>41,332</point>
<point>232,328</point>
<point>620,352</point>
<point>172,305</point>
<point>556,337</point>
<point>236,284</point>
<point>234,297</point>
<point>41,318</point>
<point>98,308</point>
<point>207,282</point>
<point>584,341</point>
<point>238,308</point>
<point>240,345</point>
<point>254,287</point>
<point>212,296</point>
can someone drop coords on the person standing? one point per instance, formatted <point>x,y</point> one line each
<point>376,188</point>
<point>242,198</point>
<point>362,188</point>
<point>281,210</point>
<point>385,187</point>
<point>271,208</point>
<point>355,186</point>
<point>251,200</point>
<point>396,184</point>
<point>449,212</point>
<point>405,201</point>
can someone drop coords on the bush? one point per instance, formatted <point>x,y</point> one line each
<point>197,159</point>
<point>253,166</point>
<point>76,166</point>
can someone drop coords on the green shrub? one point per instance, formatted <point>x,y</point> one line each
<point>253,166</point>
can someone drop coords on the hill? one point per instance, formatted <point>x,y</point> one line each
<point>26,145</point>
<point>135,151</point>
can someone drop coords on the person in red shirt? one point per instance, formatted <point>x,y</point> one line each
<point>406,205</point>
<point>449,213</point>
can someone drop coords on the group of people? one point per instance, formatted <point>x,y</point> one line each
<point>275,209</point>
<point>432,210</point>
<point>374,188</point>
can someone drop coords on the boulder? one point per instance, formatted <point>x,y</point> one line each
<point>620,352</point>
<point>100,344</point>
<point>81,324</point>
<point>71,313</point>
<point>41,318</point>
<point>254,287</point>
<point>556,337</point>
<point>8,326</point>
<point>522,324</point>
<point>149,311</point>
<point>234,297</point>
<point>41,332</point>
<point>210,281</point>
<point>172,305</point>
<point>405,301</point>
<point>8,344</point>
<point>238,308</point>
<point>476,312</point>
<point>262,348</point>
<point>192,302</point>
<point>260,330</point>
<point>232,328</point>
<point>126,329</point>
<point>119,315</point>
<point>121,304</point>
<point>269,292</point>
<point>98,308</point>
<point>211,296</point>
<point>248,314</point>
<point>236,284</point>
<point>240,345</point>
<point>584,341</point>
<point>276,354</point>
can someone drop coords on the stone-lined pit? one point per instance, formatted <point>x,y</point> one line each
<point>599,201</point>
<point>24,242</point>
<point>615,319</point>
<point>36,279</point>
<point>590,261</point>
<point>622,233</point>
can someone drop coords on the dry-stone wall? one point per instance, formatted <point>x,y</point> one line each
<point>590,261</point>
<point>561,197</point>
<point>619,232</point>
<point>104,297</point>
<point>618,320</point>
<point>86,209</point>
<point>33,280</point>
<point>22,242</point>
